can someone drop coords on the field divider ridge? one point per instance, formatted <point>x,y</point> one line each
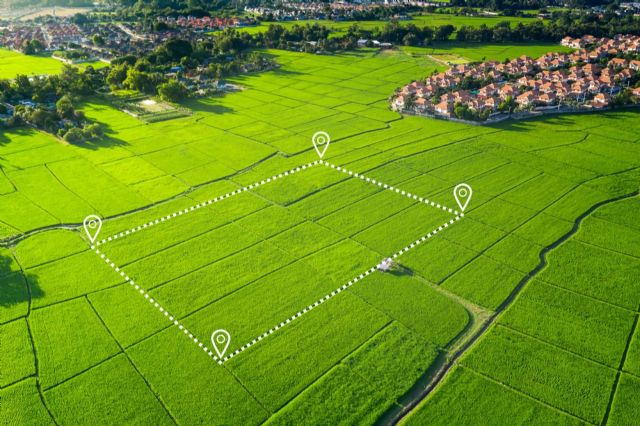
<point>155,303</point>
<point>181,327</point>
<point>392,188</point>
<point>340,289</point>
<point>197,206</point>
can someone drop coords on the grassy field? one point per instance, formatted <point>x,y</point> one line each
<point>428,19</point>
<point>566,343</point>
<point>13,63</point>
<point>457,52</point>
<point>84,343</point>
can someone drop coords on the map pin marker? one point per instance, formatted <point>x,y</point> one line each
<point>321,142</point>
<point>92,225</point>
<point>462,194</point>
<point>220,340</point>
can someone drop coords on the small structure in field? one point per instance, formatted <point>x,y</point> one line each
<point>386,265</point>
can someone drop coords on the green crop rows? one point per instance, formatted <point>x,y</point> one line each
<point>267,258</point>
<point>80,344</point>
<point>567,349</point>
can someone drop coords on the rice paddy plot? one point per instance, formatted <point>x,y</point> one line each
<point>292,254</point>
<point>283,258</point>
<point>274,250</point>
<point>567,346</point>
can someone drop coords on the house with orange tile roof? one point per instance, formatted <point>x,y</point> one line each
<point>547,98</point>
<point>444,108</point>
<point>601,100</point>
<point>526,99</point>
<point>558,76</point>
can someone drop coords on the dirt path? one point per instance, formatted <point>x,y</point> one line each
<point>446,366</point>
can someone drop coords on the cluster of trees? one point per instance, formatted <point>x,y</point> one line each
<point>48,103</point>
<point>216,57</point>
<point>31,47</point>
<point>71,82</point>
<point>199,8</point>
<point>513,5</point>
<point>134,74</point>
<point>562,24</point>
<point>410,34</point>
<point>172,91</point>
<point>313,38</point>
<point>463,112</point>
<point>73,55</point>
<point>64,121</point>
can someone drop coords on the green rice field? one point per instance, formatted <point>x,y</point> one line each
<point>566,349</point>
<point>13,63</point>
<point>226,219</point>
<point>427,19</point>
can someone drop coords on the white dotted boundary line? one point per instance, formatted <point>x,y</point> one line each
<point>391,188</point>
<point>181,327</point>
<point>155,303</point>
<point>340,289</point>
<point>206,203</point>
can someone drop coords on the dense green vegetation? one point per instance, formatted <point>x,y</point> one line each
<point>421,20</point>
<point>560,348</point>
<point>425,29</point>
<point>48,103</point>
<point>252,260</point>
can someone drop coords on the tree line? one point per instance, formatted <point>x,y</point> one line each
<point>213,58</point>
<point>320,38</point>
<point>48,103</point>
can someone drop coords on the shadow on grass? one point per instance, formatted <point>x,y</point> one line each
<point>529,124</point>
<point>567,120</point>
<point>19,131</point>
<point>280,71</point>
<point>105,141</point>
<point>401,271</point>
<point>13,284</point>
<point>452,44</point>
<point>208,105</point>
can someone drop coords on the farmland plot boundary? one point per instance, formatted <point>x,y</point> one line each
<point>455,216</point>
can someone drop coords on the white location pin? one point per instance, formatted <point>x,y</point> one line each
<point>321,142</point>
<point>92,225</point>
<point>462,194</point>
<point>220,340</point>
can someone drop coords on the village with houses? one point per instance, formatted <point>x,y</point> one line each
<point>147,70</point>
<point>104,41</point>
<point>600,73</point>
<point>336,11</point>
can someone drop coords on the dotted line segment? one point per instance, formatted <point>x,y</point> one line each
<point>142,292</point>
<point>340,289</point>
<point>197,206</point>
<point>392,188</point>
<point>298,314</point>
